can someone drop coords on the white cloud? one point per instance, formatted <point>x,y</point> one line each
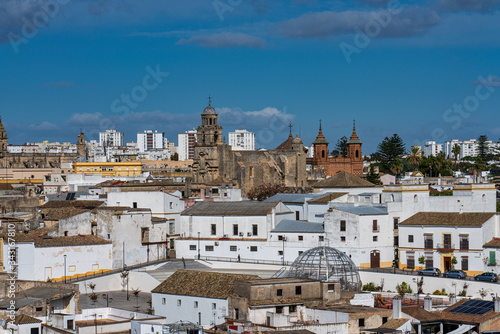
<point>44,126</point>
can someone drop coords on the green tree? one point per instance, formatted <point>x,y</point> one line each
<point>388,150</point>
<point>341,146</point>
<point>397,167</point>
<point>403,289</point>
<point>456,151</point>
<point>414,158</point>
<point>372,176</point>
<point>482,147</point>
<point>174,157</point>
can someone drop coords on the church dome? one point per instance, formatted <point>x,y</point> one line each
<point>297,140</point>
<point>209,110</point>
<point>328,265</point>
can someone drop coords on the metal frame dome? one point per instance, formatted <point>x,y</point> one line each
<point>328,265</point>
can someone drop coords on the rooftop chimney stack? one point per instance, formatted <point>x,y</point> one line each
<point>396,307</point>
<point>497,304</point>
<point>428,303</point>
<point>453,299</point>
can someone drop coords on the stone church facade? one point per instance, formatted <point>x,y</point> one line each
<point>215,162</point>
<point>36,160</point>
<point>352,163</point>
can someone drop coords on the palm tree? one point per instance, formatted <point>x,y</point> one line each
<point>414,158</point>
<point>456,151</point>
<point>397,167</point>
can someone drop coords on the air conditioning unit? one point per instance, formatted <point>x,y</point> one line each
<point>225,236</point>
<point>249,234</point>
<point>241,234</point>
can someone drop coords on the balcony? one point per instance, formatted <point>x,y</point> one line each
<point>464,244</point>
<point>428,244</point>
<point>445,246</point>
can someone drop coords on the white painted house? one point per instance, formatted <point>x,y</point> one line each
<point>21,324</point>
<point>196,296</point>
<point>40,257</point>
<point>439,237</point>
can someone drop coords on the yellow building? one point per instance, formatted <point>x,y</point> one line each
<point>128,168</point>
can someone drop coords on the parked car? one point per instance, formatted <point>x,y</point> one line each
<point>429,272</point>
<point>492,277</point>
<point>455,273</point>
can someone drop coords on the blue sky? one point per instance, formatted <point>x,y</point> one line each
<point>427,70</point>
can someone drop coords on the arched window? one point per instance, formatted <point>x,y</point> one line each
<point>415,199</point>
<point>357,154</point>
<point>323,153</point>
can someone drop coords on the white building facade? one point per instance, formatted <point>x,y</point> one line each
<point>242,140</point>
<point>111,138</point>
<point>432,149</point>
<point>149,140</point>
<point>186,142</point>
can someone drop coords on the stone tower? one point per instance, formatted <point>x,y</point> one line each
<point>3,139</point>
<point>354,152</point>
<point>320,147</point>
<point>209,132</point>
<point>81,147</point>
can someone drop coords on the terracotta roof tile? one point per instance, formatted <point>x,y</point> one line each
<point>419,313</point>
<point>395,323</point>
<point>449,218</point>
<point>41,238</point>
<point>84,204</point>
<point>22,319</point>
<point>61,213</point>
<point>327,198</point>
<point>493,243</point>
<point>200,283</point>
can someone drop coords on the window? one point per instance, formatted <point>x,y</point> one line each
<point>192,247</point>
<point>342,226</point>
<point>253,248</point>
<point>279,292</point>
<point>280,237</point>
<point>429,260</point>
<point>385,319</point>
<point>171,205</point>
<point>39,309</point>
<point>361,322</point>
<point>214,306</point>
<point>280,253</point>
<point>464,241</point>
<point>65,233</point>
<point>331,287</point>
<point>396,223</point>
<point>233,248</point>
<point>179,302</point>
<point>209,248</point>
<point>375,238</point>
<point>279,309</point>
<point>410,261</point>
<point>301,238</point>
<point>342,238</point>
<point>298,290</point>
<point>300,253</point>
<point>195,304</point>
<point>321,238</point>
<point>447,241</point>
<point>428,243</point>
<point>297,215</point>
<point>292,308</point>
<point>465,263</point>
<point>375,225</point>
<point>410,237</point>
<point>164,301</point>
<point>134,205</point>
<point>255,229</point>
<point>213,229</point>
<point>145,234</point>
<point>235,229</point>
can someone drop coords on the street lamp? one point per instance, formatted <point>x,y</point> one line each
<point>64,268</point>
<point>198,245</point>
<point>108,299</point>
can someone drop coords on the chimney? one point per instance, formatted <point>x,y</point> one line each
<point>202,194</point>
<point>428,303</point>
<point>497,304</point>
<point>453,299</point>
<point>396,307</point>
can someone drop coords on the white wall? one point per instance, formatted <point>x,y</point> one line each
<point>167,306</point>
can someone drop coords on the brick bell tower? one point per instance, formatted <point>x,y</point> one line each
<point>3,139</point>
<point>320,147</point>
<point>354,152</point>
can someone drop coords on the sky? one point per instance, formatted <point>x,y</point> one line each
<point>426,70</point>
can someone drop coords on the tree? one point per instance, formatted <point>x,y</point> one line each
<point>174,157</point>
<point>421,260</point>
<point>403,289</point>
<point>397,167</point>
<point>372,176</point>
<point>341,146</point>
<point>453,262</point>
<point>482,147</point>
<point>390,149</point>
<point>414,158</point>
<point>456,151</point>
<point>264,191</point>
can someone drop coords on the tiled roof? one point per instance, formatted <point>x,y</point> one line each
<point>22,319</point>
<point>6,186</point>
<point>467,318</point>
<point>61,213</point>
<point>298,226</point>
<point>84,204</point>
<point>395,323</point>
<point>343,180</point>
<point>326,198</point>
<point>41,238</point>
<point>200,283</point>
<point>449,218</point>
<point>361,209</point>
<point>418,313</point>
<point>245,208</point>
<point>290,198</point>
<point>158,219</point>
<point>493,243</point>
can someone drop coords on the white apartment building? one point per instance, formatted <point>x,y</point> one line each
<point>242,140</point>
<point>468,148</point>
<point>187,141</point>
<point>432,149</point>
<point>110,138</point>
<point>149,140</point>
